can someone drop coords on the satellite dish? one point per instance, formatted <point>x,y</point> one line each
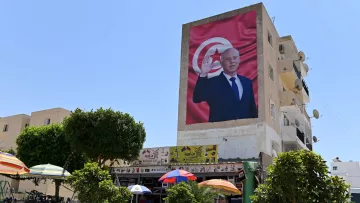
<point>315,140</point>
<point>301,56</point>
<point>298,84</point>
<point>316,114</point>
<point>306,67</point>
<point>297,123</point>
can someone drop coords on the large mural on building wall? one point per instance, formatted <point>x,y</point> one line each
<point>222,70</point>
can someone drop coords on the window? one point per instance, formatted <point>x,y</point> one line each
<point>270,38</point>
<point>26,125</point>
<point>335,168</point>
<point>272,109</point>
<point>281,49</point>
<point>271,73</point>
<point>6,128</point>
<point>47,121</point>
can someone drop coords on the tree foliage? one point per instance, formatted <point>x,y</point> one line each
<point>10,151</point>
<point>105,134</point>
<point>94,185</point>
<point>300,177</point>
<point>47,145</point>
<point>190,192</point>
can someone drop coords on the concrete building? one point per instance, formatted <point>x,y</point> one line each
<point>11,127</point>
<point>350,172</point>
<point>282,123</point>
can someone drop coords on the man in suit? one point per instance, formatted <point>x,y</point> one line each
<point>229,95</point>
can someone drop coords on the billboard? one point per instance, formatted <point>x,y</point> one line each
<point>153,156</point>
<point>194,154</point>
<point>222,70</point>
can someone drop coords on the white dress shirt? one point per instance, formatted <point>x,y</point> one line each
<point>238,83</point>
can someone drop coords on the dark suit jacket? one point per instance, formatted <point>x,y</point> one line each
<point>224,106</point>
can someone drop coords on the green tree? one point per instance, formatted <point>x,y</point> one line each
<point>300,177</point>
<point>190,192</point>
<point>94,185</point>
<point>105,134</point>
<point>47,144</point>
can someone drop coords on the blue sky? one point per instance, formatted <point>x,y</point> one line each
<point>126,55</point>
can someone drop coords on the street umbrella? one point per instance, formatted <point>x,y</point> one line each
<point>10,165</point>
<point>222,186</point>
<point>48,171</point>
<point>177,176</point>
<point>138,190</point>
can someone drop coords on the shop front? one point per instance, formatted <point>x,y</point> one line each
<point>149,175</point>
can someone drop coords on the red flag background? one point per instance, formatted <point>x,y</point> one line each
<point>240,31</point>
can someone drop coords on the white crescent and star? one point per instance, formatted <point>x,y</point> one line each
<point>220,45</point>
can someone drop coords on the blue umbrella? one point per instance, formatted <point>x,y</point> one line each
<point>139,189</point>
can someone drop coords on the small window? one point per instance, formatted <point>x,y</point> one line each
<point>271,73</point>
<point>47,121</point>
<point>335,168</point>
<point>272,110</point>
<point>26,125</point>
<point>270,38</point>
<point>6,128</point>
<point>281,49</point>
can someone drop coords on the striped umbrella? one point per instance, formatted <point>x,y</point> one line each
<point>177,176</point>
<point>10,165</point>
<point>48,171</point>
<point>222,186</point>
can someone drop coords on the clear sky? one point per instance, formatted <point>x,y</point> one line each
<point>126,55</point>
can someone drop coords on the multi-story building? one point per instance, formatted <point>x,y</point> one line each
<point>350,172</point>
<point>11,126</point>
<point>277,69</point>
<point>242,91</point>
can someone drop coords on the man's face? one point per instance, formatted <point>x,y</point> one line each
<point>230,61</point>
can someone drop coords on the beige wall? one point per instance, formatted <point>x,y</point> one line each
<point>270,58</point>
<point>55,115</point>
<point>15,125</point>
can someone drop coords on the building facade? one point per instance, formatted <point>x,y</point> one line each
<point>11,127</point>
<point>277,70</point>
<point>350,172</point>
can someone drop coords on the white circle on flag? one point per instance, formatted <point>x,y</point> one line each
<point>220,44</point>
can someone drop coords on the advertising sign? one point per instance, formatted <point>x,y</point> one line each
<point>194,154</point>
<point>222,70</point>
<point>210,168</point>
<point>154,156</point>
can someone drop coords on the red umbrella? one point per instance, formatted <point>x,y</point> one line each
<point>177,176</point>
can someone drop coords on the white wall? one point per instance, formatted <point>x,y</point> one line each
<point>243,142</point>
<point>350,171</point>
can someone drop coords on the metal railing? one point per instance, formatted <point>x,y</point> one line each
<point>298,73</point>
<point>305,87</point>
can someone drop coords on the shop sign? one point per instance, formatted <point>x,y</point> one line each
<point>194,154</point>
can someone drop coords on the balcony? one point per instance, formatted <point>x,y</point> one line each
<point>289,102</point>
<point>302,67</point>
<point>288,72</point>
<point>294,139</point>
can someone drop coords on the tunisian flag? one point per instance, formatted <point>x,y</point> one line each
<point>212,39</point>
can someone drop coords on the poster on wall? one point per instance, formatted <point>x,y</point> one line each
<point>222,70</point>
<point>194,154</point>
<point>153,156</point>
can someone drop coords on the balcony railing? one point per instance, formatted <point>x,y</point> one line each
<point>300,135</point>
<point>298,73</point>
<point>305,87</point>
